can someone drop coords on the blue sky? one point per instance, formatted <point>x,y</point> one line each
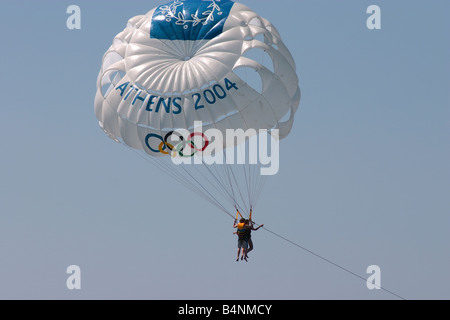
<point>364,176</point>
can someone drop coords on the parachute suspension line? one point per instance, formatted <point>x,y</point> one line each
<point>229,190</point>
<point>156,163</point>
<point>215,199</point>
<point>255,181</point>
<point>218,176</point>
<point>260,188</point>
<point>201,191</point>
<point>219,179</point>
<point>240,147</point>
<point>238,214</point>
<point>213,185</point>
<point>229,173</point>
<point>228,177</point>
<point>222,178</point>
<point>255,178</point>
<point>182,179</point>
<point>220,182</point>
<point>248,171</point>
<point>240,193</point>
<point>188,184</point>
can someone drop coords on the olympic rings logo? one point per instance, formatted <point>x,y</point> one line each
<point>182,148</point>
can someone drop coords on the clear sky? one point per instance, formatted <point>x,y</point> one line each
<point>364,176</point>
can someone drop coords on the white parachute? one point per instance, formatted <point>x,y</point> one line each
<point>214,62</point>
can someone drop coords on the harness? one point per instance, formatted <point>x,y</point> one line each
<point>242,232</point>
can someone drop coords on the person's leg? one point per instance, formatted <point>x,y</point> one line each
<point>245,250</point>
<point>239,249</point>
<point>250,246</point>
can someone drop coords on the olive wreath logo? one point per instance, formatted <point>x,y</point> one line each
<point>171,13</point>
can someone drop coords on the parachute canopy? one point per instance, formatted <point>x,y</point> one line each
<point>211,61</point>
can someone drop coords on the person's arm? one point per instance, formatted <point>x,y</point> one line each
<point>256,229</point>
<point>237,215</point>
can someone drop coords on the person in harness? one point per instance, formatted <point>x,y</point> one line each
<point>242,232</point>
<point>251,228</point>
<point>244,229</point>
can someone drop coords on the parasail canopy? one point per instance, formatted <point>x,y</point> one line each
<point>213,62</point>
